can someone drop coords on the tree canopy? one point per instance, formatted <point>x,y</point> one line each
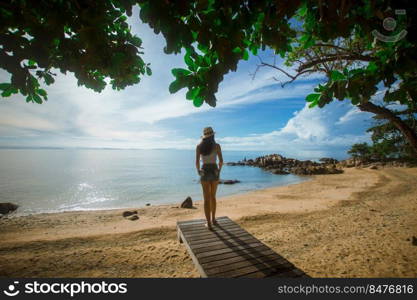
<point>88,38</point>
<point>92,39</point>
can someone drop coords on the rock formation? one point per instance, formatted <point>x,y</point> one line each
<point>281,165</point>
<point>7,207</point>
<point>187,203</point>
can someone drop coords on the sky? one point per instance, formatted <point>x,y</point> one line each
<point>251,113</point>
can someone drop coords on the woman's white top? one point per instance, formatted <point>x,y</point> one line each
<point>210,158</point>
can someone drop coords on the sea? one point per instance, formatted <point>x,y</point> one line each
<point>57,180</point>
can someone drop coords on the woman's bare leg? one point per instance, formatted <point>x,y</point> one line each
<point>207,197</point>
<point>213,190</point>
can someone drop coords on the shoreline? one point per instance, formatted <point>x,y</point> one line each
<point>354,224</point>
<point>16,214</point>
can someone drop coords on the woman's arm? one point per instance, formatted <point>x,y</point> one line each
<point>197,159</point>
<point>219,153</point>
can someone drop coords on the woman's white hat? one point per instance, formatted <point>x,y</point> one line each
<point>207,132</point>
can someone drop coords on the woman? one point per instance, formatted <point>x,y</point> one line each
<point>208,150</point>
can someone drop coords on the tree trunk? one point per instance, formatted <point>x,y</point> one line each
<point>385,113</point>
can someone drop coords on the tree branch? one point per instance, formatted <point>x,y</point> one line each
<point>334,58</point>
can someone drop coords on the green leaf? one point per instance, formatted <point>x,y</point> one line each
<point>148,71</point>
<point>304,38</point>
<point>48,79</point>
<point>176,85</point>
<point>323,100</point>
<point>136,41</point>
<point>31,63</point>
<point>394,96</point>
<point>5,86</point>
<point>303,10</point>
<point>37,98</point>
<point>245,55</point>
<point>372,67</point>
<point>189,61</point>
<point>319,89</point>
<point>336,75</point>
<point>178,72</point>
<point>198,101</point>
<point>237,50</point>
<point>312,97</point>
<point>355,100</point>
<point>339,89</point>
<point>309,43</point>
<point>192,93</point>
<point>42,92</point>
<point>6,93</point>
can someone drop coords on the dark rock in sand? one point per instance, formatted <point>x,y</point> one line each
<point>414,241</point>
<point>187,203</point>
<point>228,181</point>
<point>133,218</point>
<point>148,204</point>
<point>129,213</point>
<point>7,207</point>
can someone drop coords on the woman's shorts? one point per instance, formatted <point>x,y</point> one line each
<point>209,172</point>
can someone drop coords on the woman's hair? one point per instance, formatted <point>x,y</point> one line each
<point>207,145</point>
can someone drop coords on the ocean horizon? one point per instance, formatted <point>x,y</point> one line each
<point>47,180</point>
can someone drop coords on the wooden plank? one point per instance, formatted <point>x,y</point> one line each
<point>220,220</point>
<point>202,222</point>
<point>229,231</point>
<point>198,237</point>
<point>212,250</point>
<point>230,251</point>
<point>185,222</point>
<point>192,255</point>
<point>215,228</point>
<point>226,243</point>
<point>241,236</point>
<point>257,251</point>
<point>267,261</point>
<point>218,235</point>
<point>261,268</point>
<point>229,259</point>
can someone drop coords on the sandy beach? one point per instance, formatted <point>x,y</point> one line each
<point>357,224</point>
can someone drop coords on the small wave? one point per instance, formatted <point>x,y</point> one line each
<point>83,204</point>
<point>84,186</point>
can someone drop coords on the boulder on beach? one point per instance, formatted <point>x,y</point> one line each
<point>7,207</point>
<point>187,203</point>
<point>128,213</point>
<point>228,181</point>
<point>133,218</point>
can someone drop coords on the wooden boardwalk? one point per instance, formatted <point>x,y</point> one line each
<point>231,251</point>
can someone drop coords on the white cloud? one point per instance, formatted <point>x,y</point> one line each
<point>310,133</point>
